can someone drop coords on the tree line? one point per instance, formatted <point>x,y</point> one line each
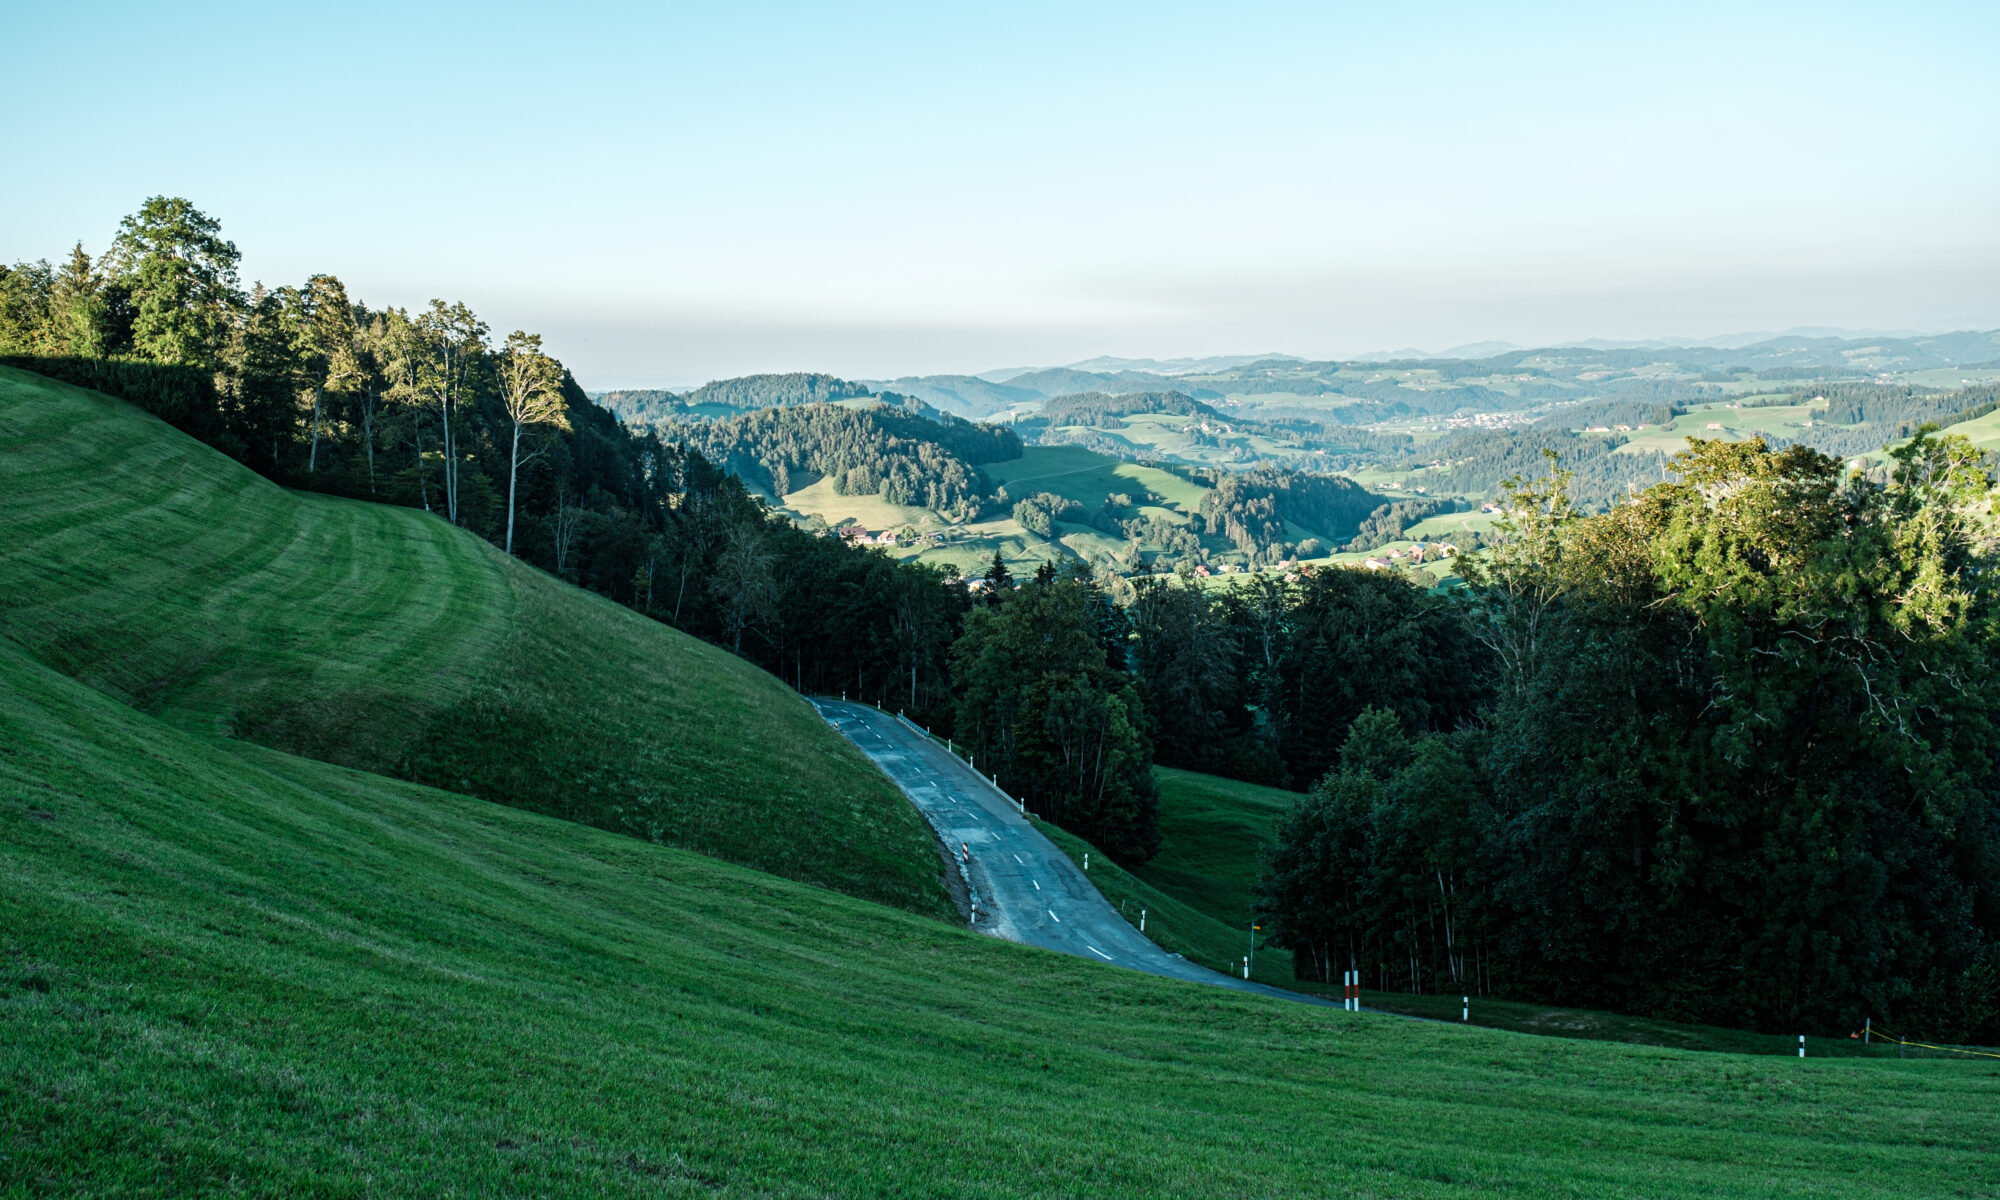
<point>1732,760</point>
<point>1104,411</point>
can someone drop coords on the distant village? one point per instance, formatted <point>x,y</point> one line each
<point>1416,554</point>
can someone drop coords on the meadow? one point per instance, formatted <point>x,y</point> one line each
<point>223,968</point>
<point>160,572</point>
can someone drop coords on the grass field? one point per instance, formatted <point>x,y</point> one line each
<point>1212,830</point>
<point>1735,425</point>
<point>1983,432</point>
<point>819,499</point>
<point>1166,436</point>
<point>228,970</point>
<point>149,566</point>
<point>1087,477</point>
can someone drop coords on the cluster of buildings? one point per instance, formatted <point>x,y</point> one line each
<point>1416,555</point>
<point>888,537</point>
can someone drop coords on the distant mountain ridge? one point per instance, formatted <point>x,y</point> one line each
<point>986,394</point>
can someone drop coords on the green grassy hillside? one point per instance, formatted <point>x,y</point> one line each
<point>147,565</point>
<point>228,970</point>
<point>1197,891</point>
<point>1211,832</point>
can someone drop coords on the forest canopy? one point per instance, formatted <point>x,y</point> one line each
<point>1737,765</point>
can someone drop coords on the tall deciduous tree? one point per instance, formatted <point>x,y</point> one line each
<point>324,351</point>
<point>181,273</point>
<point>452,341</point>
<point>531,391</point>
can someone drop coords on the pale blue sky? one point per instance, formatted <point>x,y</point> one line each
<point>675,192</point>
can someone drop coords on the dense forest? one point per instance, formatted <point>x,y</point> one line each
<point>1734,760</point>
<point>1479,462</point>
<point>1387,523</point>
<point>906,457</point>
<point>1862,418</point>
<point>775,391</point>
<point>1253,508</point>
<point>1101,410</point>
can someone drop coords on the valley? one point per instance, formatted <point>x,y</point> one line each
<point>1441,430</point>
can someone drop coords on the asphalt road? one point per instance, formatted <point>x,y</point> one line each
<point>1027,890</point>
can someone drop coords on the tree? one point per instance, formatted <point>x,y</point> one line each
<point>531,390</point>
<point>262,384</point>
<point>744,584</point>
<point>323,349</point>
<point>998,578</point>
<point>451,339</point>
<point>1356,639</point>
<point>181,273</point>
<point>1039,707</point>
<point>79,311</point>
<point>1521,582</point>
<point>1185,662</point>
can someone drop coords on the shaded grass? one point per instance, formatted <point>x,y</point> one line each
<point>1212,831</point>
<point>158,571</point>
<point>1640,1031</point>
<point>228,970</point>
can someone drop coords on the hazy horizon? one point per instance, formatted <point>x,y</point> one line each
<point>685,193</point>
<point>1473,350</point>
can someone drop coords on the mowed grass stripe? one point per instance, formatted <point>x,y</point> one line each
<point>153,568</point>
<point>222,967</point>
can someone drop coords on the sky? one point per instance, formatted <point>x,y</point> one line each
<point>672,193</point>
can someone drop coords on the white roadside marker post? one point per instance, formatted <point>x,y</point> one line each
<point>1466,1013</point>
<point>1086,860</point>
<point>1142,920</point>
<point>1246,966</point>
<point>1802,1045</point>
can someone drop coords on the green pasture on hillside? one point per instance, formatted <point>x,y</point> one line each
<point>819,499</point>
<point>1733,425</point>
<point>1167,436</point>
<point>1087,477</point>
<point>153,568</point>
<point>228,970</point>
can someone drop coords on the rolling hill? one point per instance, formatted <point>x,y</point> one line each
<point>224,969</point>
<point>156,570</point>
